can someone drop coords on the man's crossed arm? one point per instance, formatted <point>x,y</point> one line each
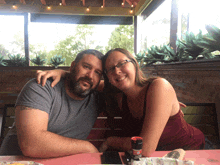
<point>35,141</point>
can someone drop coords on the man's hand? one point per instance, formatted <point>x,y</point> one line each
<point>56,74</point>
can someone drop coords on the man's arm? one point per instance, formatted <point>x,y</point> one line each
<point>36,141</point>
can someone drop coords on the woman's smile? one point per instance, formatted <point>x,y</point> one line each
<point>120,78</point>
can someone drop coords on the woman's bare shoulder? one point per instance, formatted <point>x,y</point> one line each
<point>161,87</point>
<point>161,83</point>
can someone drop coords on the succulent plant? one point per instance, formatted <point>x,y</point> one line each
<point>211,41</point>
<point>16,60</point>
<point>190,44</point>
<point>140,57</point>
<point>159,53</point>
<point>2,63</point>
<point>38,60</point>
<point>57,60</point>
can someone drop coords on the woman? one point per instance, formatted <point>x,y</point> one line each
<point>149,108</point>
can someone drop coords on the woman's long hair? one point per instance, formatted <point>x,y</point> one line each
<point>140,79</point>
<point>110,91</point>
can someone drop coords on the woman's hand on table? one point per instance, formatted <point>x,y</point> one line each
<point>56,74</point>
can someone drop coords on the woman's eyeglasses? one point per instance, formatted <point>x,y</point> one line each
<point>119,65</point>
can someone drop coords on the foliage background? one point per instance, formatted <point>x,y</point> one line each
<point>122,36</point>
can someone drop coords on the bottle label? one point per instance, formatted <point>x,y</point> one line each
<point>137,152</point>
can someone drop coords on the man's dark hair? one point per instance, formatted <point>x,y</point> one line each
<point>94,52</point>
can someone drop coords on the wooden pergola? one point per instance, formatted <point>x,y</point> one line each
<point>88,12</point>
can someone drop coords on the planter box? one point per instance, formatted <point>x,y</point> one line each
<point>12,79</point>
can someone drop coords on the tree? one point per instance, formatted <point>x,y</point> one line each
<point>72,45</point>
<point>100,48</point>
<point>122,37</point>
<point>67,48</point>
<point>84,35</point>
<point>18,44</point>
<point>3,51</point>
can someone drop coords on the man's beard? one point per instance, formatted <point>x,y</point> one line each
<point>74,85</point>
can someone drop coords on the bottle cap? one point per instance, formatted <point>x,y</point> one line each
<point>136,142</point>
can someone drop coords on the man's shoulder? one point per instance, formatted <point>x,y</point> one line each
<point>32,85</point>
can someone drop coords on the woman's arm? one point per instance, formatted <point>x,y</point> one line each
<point>161,102</point>
<point>56,74</point>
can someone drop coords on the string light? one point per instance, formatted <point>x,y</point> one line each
<point>132,5</point>
<point>122,3</point>
<point>102,6</point>
<point>87,9</point>
<point>48,7</point>
<point>60,4</point>
<point>14,6</point>
<point>131,11</point>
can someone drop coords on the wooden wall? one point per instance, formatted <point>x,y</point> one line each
<point>194,82</point>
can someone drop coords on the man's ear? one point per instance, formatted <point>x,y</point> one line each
<point>72,65</point>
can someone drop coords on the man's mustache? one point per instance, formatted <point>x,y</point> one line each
<point>86,79</point>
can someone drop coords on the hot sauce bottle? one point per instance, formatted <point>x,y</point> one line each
<point>136,143</point>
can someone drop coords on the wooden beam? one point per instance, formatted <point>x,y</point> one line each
<point>23,2</point>
<point>123,3</point>
<point>2,2</point>
<point>81,19</point>
<point>68,10</point>
<point>103,3</point>
<point>84,3</point>
<point>132,2</point>
<point>141,6</point>
<point>63,2</point>
<point>43,2</point>
<point>129,2</point>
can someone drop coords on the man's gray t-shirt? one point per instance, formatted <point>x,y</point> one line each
<point>67,117</point>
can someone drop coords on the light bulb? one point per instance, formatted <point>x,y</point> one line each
<point>87,9</point>
<point>14,6</point>
<point>60,4</point>
<point>122,4</point>
<point>48,8</point>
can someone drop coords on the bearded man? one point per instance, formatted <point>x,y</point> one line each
<point>55,122</point>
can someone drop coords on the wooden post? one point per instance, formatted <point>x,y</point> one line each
<point>173,24</point>
<point>26,40</point>
<point>135,34</point>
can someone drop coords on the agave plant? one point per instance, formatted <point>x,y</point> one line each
<point>57,60</point>
<point>140,57</point>
<point>2,63</point>
<point>181,55</point>
<point>38,60</point>
<point>156,54</point>
<point>190,44</point>
<point>210,42</point>
<point>16,60</point>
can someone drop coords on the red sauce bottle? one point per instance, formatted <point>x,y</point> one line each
<point>137,143</point>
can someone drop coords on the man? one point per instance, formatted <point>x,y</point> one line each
<point>54,122</point>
